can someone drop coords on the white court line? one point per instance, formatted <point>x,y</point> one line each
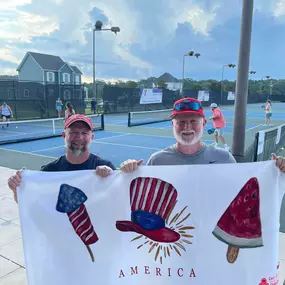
<point>253,127</point>
<point>34,151</point>
<point>126,145</point>
<point>18,151</point>
<point>15,133</point>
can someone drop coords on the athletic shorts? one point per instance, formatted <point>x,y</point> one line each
<point>268,115</point>
<point>7,116</point>
<point>219,131</point>
<point>58,108</point>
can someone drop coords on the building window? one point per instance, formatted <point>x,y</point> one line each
<point>50,77</point>
<point>66,95</point>
<point>17,94</point>
<point>10,96</point>
<point>27,93</point>
<point>77,79</point>
<point>50,92</point>
<point>66,77</point>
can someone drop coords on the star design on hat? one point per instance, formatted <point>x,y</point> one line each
<point>153,203</point>
<point>176,222</point>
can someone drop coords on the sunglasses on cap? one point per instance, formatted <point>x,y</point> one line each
<point>188,105</point>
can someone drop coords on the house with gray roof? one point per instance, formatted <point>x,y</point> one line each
<point>45,68</point>
<point>50,70</point>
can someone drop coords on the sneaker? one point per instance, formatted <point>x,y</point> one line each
<point>227,147</point>
<point>215,144</point>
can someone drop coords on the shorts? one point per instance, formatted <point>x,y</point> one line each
<point>58,108</point>
<point>6,116</point>
<point>268,115</point>
<point>219,131</point>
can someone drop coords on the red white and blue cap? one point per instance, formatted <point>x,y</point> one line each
<point>152,201</point>
<point>187,106</point>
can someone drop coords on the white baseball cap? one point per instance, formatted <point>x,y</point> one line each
<point>214,105</point>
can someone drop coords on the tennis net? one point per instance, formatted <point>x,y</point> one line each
<point>148,117</point>
<point>28,130</point>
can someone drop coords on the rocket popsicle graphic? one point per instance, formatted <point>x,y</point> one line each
<point>71,201</point>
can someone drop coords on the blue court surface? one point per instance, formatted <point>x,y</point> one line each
<point>118,145</point>
<point>253,113</point>
<point>113,146</point>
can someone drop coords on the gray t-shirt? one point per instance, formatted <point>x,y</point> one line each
<point>208,154</point>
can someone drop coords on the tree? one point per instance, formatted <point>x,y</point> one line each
<point>131,84</point>
<point>161,84</point>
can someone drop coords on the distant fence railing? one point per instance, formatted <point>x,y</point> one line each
<point>265,143</point>
<point>122,99</point>
<point>36,100</point>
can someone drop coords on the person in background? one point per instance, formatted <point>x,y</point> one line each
<point>77,134</point>
<point>69,110</point>
<point>219,123</point>
<point>93,106</point>
<point>188,122</point>
<point>6,113</point>
<point>58,107</point>
<point>268,113</point>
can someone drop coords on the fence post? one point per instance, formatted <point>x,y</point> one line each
<point>15,102</point>
<point>256,147</point>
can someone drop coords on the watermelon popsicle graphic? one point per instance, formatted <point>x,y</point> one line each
<point>240,225</point>
<point>71,201</point>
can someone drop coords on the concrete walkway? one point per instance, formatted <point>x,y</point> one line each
<point>12,267</point>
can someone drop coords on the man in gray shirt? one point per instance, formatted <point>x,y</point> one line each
<point>188,122</point>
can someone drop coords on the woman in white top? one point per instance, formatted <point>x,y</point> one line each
<point>69,110</point>
<point>268,113</point>
<point>6,113</point>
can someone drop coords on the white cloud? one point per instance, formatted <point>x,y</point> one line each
<point>150,24</point>
<point>201,20</point>
<point>24,26</point>
<point>7,55</point>
<point>279,8</point>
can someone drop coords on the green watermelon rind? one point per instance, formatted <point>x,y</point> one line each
<point>237,241</point>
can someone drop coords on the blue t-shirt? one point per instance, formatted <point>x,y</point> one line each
<point>62,164</point>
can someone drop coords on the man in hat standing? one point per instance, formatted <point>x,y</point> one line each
<point>219,125</point>
<point>77,134</point>
<point>188,121</point>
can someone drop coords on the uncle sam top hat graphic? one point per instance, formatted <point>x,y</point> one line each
<point>151,201</point>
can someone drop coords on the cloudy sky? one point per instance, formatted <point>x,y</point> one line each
<point>154,36</point>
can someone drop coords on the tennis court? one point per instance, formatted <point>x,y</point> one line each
<point>117,142</point>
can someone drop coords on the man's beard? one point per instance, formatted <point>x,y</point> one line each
<point>196,136</point>
<point>77,151</point>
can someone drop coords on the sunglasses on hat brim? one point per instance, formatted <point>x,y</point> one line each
<point>188,106</point>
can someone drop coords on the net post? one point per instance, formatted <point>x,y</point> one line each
<point>53,127</point>
<point>102,122</point>
<point>256,147</point>
<point>129,119</point>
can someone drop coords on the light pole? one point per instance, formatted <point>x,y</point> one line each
<point>98,27</point>
<point>260,86</point>
<point>190,53</point>
<point>271,87</point>
<point>242,81</point>
<point>231,65</point>
<point>251,72</point>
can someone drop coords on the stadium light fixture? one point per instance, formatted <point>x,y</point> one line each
<point>230,65</point>
<point>190,53</point>
<point>260,85</point>
<point>98,28</point>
